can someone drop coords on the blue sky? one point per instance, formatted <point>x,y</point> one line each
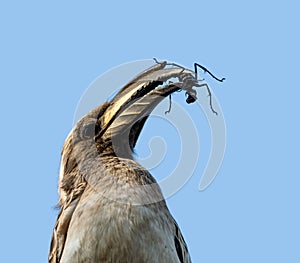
<point>52,51</point>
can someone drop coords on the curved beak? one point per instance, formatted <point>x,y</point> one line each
<point>129,109</point>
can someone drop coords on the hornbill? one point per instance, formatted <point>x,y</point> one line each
<point>111,208</point>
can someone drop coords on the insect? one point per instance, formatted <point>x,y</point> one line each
<point>187,80</point>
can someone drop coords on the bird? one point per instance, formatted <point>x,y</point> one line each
<point>111,209</point>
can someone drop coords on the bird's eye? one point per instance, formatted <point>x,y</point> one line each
<point>88,131</point>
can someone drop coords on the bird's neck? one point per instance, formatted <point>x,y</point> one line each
<point>117,147</point>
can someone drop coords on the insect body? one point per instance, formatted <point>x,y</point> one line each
<point>187,79</point>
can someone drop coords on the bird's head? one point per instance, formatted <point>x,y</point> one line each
<point>113,128</point>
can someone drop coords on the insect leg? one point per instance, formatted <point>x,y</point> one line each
<point>170,64</point>
<point>206,70</point>
<point>209,95</point>
<point>170,104</point>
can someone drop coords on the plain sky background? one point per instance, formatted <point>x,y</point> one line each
<point>51,51</point>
